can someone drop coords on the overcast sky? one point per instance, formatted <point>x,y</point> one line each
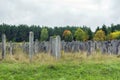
<point>91,13</point>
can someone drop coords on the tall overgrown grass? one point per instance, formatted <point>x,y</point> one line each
<point>71,66</point>
<point>45,58</point>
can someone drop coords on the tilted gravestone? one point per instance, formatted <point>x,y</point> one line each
<point>31,45</point>
<point>55,47</point>
<point>3,46</point>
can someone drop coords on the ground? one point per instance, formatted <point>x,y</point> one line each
<point>69,67</point>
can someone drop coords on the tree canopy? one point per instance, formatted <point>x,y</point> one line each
<point>114,35</point>
<point>44,34</point>
<point>67,35</point>
<point>19,33</point>
<point>99,35</point>
<point>80,35</point>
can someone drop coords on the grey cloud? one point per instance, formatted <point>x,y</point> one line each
<point>92,13</point>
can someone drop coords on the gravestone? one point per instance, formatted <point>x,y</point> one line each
<point>11,48</point>
<point>55,43</point>
<point>76,46</point>
<point>104,47</point>
<point>114,46</point>
<point>31,45</point>
<point>63,43</point>
<point>109,48</point>
<point>24,46</point>
<point>119,48</point>
<point>89,49</point>
<point>46,46</point>
<point>3,46</point>
<point>36,46</point>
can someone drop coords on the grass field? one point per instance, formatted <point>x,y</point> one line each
<point>70,67</point>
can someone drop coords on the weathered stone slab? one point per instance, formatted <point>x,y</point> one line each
<point>3,46</point>
<point>55,46</point>
<point>31,45</point>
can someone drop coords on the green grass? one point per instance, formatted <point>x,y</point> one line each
<point>69,67</point>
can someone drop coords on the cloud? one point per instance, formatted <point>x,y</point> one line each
<point>91,13</point>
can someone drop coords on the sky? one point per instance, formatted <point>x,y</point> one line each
<point>91,13</point>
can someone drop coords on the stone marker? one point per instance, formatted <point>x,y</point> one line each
<point>36,45</point>
<point>114,46</point>
<point>31,47</point>
<point>119,49</point>
<point>3,46</point>
<point>11,48</point>
<point>55,43</point>
<point>89,43</point>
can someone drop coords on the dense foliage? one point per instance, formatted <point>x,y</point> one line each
<point>20,33</point>
<point>114,35</point>
<point>80,35</point>
<point>99,35</point>
<point>44,34</point>
<point>67,35</point>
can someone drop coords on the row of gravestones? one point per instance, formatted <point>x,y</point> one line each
<point>32,47</point>
<point>109,47</point>
<point>76,46</point>
<point>55,45</point>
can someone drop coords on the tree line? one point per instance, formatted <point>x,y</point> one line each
<point>19,33</point>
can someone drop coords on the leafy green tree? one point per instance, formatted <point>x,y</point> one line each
<point>80,35</point>
<point>99,35</point>
<point>88,32</point>
<point>67,35</point>
<point>44,34</point>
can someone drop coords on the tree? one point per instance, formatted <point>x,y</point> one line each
<point>114,35</point>
<point>44,34</point>
<point>67,35</point>
<point>112,27</point>
<point>99,35</point>
<point>97,29</point>
<point>22,33</point>
<point>80,35</point>
<point>88,32</point>
<point>105,29</point>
